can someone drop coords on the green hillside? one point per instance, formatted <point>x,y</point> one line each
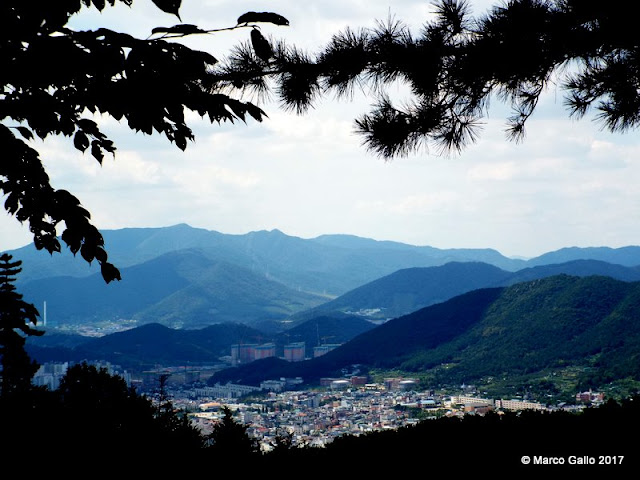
<point>220,292</point>
<point>546,330</point>
<point>179,289</point>
<point>190,277</point>
<point>587,322</point>
<point>411,289</point>
<point>149,345</point>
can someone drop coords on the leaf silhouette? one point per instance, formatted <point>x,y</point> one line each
<point>73,239</point>
<point>265,17</point>
<point>88,252</point>
<point>96,151</point>
<point>256,112</point>
<point>169,6</point>
<point>109,272</point>
<point>260,45</point>
<point>81,141</point>
<point>89,126</point>
<point>12,204</point>
<point>25,132</point>
<point>182,29</point>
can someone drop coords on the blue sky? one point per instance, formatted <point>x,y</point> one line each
<point>567,184</point>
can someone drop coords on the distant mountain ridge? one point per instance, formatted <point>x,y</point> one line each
<point>627,256</point>
<point>411,289</point>
<point>540,332</point>
<point>326,255</point>
<point>330,264</point>
<point>151,344</point>
<point>156,344</point>
<point>178,289</point>
<point>532,328</point>
<point>190,277</point>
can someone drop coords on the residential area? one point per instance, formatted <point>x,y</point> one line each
<point>340,406</point>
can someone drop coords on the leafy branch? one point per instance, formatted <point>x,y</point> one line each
<point>455,66</point>
<point>53,77</point>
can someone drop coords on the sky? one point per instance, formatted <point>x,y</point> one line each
<point>568,183</point>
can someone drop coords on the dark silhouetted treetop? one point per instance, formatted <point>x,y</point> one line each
<point>229,439</point>
<point>53,80</point>
<point>457,64</point>
<point>17,320</point>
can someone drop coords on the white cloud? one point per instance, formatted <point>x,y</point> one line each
<point>421,203</point>
<point>504,171</point>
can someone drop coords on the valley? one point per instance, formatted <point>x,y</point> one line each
<point>445,317</point>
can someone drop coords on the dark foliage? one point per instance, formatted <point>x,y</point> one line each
<point>457,64</point>
<point>98,424</point>
<point>230,440</point>
<point>17,321</point>
<point>493,444</point>
<point>90,414</point>
<point>54,78</point>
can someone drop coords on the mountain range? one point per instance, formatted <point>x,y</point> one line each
<point>408,290</point>
<point>178,289</point>
<point>329,264</point>
<point>584,330</point>
<point>185,277</point>
<point>458,317</point>
<point>543,333</point>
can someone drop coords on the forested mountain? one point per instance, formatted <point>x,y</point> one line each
<point>627,256</point>
<point>178,289</point>
<point>187,277</point>
<point>408,290</point>
<point>539,329</point>
<point>151,344</point>
<point>335,263</point>
<point>156,344</point>
<point>331,264</point>
<point>537,333</point>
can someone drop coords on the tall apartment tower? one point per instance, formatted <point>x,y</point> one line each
<point>295,352</point>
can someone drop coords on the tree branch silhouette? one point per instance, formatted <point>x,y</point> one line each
<point>55,78</point>
<point>456,65</point>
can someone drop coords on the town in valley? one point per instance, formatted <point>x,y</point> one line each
<point>350,405</point>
